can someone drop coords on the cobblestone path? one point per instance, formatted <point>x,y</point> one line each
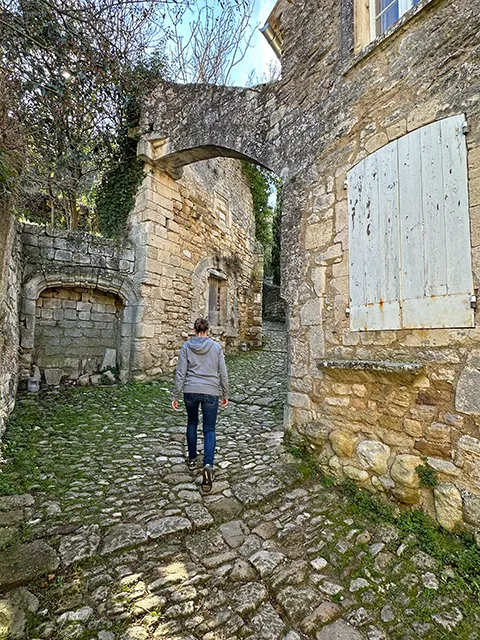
<point>134,551</point>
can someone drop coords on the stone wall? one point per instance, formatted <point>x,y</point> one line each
<point>74,327</point>
<point>9,293</point>
<point>377,424</point>
<point>187,233</point>
<point>79,297</point>
<point>189,244</point>
<point>371,422</point>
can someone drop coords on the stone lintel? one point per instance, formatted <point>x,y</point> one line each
<point>380,366</point>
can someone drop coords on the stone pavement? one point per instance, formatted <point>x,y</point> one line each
<point>132,550</point>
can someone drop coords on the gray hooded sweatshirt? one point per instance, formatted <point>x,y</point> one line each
<point>201,369</point>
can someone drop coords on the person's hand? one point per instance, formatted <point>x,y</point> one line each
<point>175,405</point>
<point>223,403</point>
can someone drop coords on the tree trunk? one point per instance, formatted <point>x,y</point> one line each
<point>73,212</point>
<point>52,204</point>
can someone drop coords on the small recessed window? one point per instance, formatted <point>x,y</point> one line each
<point>372,18</point>
<point>217,298</point>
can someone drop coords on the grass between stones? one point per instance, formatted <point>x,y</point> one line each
<point>457,551</point>
<point>77,416</point>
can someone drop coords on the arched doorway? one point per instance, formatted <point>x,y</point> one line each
<point>68,320</point>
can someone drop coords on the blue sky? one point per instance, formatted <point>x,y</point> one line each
<point>258,57</point>
<point>260,54</point>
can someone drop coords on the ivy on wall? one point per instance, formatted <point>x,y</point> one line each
<point>262,185</point>
<point>276,237</point>
<point>114,197</point>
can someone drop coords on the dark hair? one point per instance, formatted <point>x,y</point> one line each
<point>201,325</point>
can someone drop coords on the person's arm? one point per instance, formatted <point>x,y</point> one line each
<point>222,370</point>
<point>179,377</point>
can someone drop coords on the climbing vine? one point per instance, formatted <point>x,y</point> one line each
<point>276,236</point>
<point>114,196</point>
<point>261,183</point>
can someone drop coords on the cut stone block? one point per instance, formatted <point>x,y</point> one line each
<point>121,536</point>
<point>19,565</point>
<point>53,377</point>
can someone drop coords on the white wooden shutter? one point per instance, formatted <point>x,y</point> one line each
<point>409,237</point>
<point>374,242</point>
<point>436,272</point>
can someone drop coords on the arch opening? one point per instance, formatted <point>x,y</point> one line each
<point>74,327</point>
<point>69,322</point>
<point>161,154</point>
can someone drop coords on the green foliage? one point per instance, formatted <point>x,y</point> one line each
<point>364,503</point>
<point>123,174</point>
<point>276,233</point>
<point>459,552</point>
<point>262,184</point>
<point>114,197</point>
<point>428,476</point>
<point>308,467</point>
<point>73,68</point>
<point>7,487</point>
<point>20,449</point>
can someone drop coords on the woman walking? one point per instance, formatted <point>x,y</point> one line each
<point>202,375</point>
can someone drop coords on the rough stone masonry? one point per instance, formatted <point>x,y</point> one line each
<point>189,250</point>
<point>9,250</point>
<point>374,404</point>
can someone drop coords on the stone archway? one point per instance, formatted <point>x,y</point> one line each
<point>250,124</point>
<point>110,283</point>
<point>216,121</point>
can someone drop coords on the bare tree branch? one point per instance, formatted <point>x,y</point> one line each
<point>215,42</point>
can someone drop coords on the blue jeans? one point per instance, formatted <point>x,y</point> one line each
<point>209,414</point>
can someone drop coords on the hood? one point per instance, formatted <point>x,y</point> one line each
<point>200,345</point>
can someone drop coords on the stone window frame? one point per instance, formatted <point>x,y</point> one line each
<point>200,284</point>
<point>364,39</point>
<point>221,281</point>
<point>116,284</point>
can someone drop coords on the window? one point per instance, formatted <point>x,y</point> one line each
<point>383,13</point>
<point>217,298</point>
<point>374,17</point>
<point>409,235</point>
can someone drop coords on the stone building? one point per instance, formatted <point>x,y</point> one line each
<point>375,129</point>
<point>196,254</point>
<point>189,250</point>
